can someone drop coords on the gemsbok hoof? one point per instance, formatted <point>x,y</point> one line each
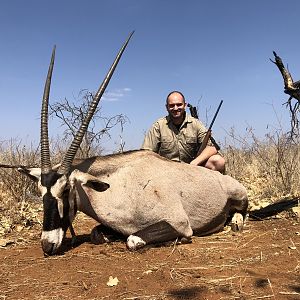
<point>237,222</point>
<point>135,242</point>
<point>185,240</point>
<point>97,237</point>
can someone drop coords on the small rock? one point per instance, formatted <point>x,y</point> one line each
<point>112,281</point>
<point>5,242</point>
<point>296,210</point>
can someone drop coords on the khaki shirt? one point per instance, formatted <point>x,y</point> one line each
<point>179,145</point>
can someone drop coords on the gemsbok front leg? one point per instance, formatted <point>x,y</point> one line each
<point>157,233</point>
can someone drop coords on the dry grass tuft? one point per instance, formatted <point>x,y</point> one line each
<point>269,167</point>
<point>18,194</point>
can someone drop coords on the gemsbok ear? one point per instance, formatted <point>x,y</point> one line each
<point>88,180</point>
<point>33,173</point>
<point>97,185</point>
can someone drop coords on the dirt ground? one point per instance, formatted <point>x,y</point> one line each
<point>263,262</point>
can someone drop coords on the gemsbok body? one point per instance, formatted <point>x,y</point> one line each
<point>138,194</point>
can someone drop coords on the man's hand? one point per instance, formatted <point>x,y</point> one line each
<point>194,162</point>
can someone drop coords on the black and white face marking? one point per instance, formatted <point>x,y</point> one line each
<point>56,221</point>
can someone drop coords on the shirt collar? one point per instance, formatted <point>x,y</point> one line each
<point>187,119</point>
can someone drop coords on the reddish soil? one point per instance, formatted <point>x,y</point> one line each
<point>263,262</point>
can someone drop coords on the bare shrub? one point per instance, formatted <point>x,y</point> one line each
<point>268,167</point>
<point>71,115</point>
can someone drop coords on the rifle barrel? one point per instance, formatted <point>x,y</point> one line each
<point>214,118</point>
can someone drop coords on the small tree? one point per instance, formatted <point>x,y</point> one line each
<point>71,116</point>
<point>293,89</point>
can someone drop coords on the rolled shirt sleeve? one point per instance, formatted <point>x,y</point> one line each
<point>152,138</point>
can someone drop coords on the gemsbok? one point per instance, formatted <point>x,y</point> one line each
<point>138,194</point>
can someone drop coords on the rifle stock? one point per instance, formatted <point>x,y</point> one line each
<point>204,142</point>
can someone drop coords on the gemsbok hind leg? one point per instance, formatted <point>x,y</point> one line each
<point>156,233</point>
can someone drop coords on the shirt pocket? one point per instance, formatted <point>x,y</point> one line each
<point>191,140</point>
<point>191,145</point>
<point>167,147</point>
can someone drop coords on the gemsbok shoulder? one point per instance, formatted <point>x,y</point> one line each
<point>137,194</point>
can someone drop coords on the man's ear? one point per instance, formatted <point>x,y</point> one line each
<point>33,173</point>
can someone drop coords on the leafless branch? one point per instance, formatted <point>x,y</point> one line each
<point>71,115</point>
<point>293,89</point>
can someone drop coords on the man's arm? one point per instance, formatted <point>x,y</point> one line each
<point>152,139</point>
<point>208,145</point>
<point>208,151</point>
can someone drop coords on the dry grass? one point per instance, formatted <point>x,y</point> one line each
<point>269,168</point>
<point>18,194</point>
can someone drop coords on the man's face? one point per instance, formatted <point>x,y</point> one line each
<point>176,106</point>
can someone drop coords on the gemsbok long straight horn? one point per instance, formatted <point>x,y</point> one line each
<point>44,139</point>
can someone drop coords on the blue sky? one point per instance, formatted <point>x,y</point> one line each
<point>209,50</point>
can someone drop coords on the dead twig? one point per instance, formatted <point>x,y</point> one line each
<point>289,293</point>
<point>269,281</point>
<point>256,237</point>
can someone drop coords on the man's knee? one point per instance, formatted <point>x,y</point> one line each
<point>216,162</point>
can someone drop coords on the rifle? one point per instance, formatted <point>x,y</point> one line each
<point>208,136</point>
<point>193,111</point>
